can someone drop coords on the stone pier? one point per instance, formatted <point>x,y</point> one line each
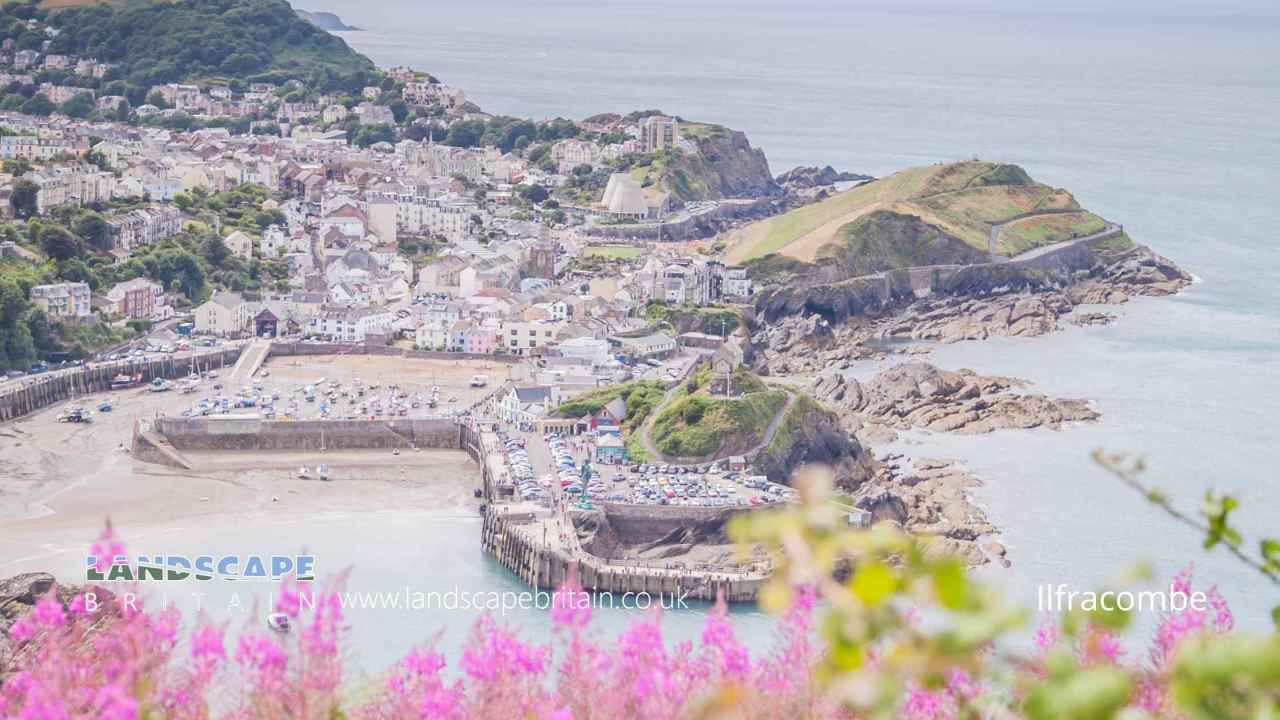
<point>548,566</point>
<point>26,395</point>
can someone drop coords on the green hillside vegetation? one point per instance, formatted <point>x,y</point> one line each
<point>1022,235</point>
<point>687,177</point>
<point>710,319</point>
<point>791,426</point>
<point>1118,243</point>
<point>642,396</point>
<point>615,252</point>
<point>704,426</point>
<point>153,42</point>
<point>886,240</point>
<point>70,245</point>
<point>923,215</point>
<point>28,335</point>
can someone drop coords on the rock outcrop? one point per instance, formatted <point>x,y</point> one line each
<point>812,434</point>
<point>20,593</point>
<point>930,498</point>
<point>952,319</point>
<point>920,395</point>
<point>803,177</point>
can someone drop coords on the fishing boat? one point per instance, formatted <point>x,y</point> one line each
<point>278,622</point>
<point>124,381</point>
<point>161,385</point>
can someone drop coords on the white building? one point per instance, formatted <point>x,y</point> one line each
<point>526,338</point>
<point>350,324</point>
<point>226,313</point>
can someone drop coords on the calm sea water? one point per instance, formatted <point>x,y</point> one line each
<point>1169,123</point>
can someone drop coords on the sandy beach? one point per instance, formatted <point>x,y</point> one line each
<point>59,482</point>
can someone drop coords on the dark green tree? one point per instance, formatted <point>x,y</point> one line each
<point>58,242</point>
<point>23,199</point>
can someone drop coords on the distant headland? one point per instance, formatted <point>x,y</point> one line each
<point>325,20</point>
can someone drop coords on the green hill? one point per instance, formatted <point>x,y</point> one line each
<point>153,42</point>
<point>705,427</point>
<point>724,166</point>
<point>701,423</point>
<point>959,212</point>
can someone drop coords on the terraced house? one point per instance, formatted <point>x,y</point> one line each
<point>63,300</point>
<point>143,226</point>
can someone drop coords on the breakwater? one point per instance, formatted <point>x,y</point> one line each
<point>512,538</point>
<point>252,433</point>
<point>27,395</point>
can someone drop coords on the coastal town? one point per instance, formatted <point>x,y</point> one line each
<point>473,360</point>
<point>631,326</point>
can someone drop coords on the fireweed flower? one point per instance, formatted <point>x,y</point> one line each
<point>106,549</point>
<point>922,704</point>
<point>121,663</point>
<point>718,636</point>
<point>571,606</point>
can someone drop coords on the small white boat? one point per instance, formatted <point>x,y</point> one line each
<point>323,472</point>
<point>278,622</point>
<point>304,472</point>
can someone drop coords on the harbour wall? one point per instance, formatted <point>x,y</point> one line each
<point>238,433</point>
<point>636,524</point>
<point>279,348</point>
<point>549,566</point>
<point>27,395</point>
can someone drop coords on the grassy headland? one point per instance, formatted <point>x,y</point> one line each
<point>937,213</point>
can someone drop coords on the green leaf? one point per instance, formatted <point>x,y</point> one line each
<point>1270,550</point>
<point>873,582</point>
<point>1092,694</point>
<point>951,585</point>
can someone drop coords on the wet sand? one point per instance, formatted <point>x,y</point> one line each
<point>60,481</point>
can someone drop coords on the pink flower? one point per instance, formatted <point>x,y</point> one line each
<point>1223,619</point>
<point>717,635</point>
<point>48,613</point>
<point>924,704</point>
<point>206,645</point>
<point>1046,635</point>
<point>111,703</point>
<point>961,685</point>
<point>290,600</point>
<point>571,606</point>
<point>23,630</point>
<point>107,549</point>
<point>262,656</point>
<point>498,652</point>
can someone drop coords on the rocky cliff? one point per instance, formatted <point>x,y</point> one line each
<point>812,434</point>
<point>725,166</point>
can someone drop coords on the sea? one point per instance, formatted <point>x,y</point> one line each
<point>1162,116</point>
